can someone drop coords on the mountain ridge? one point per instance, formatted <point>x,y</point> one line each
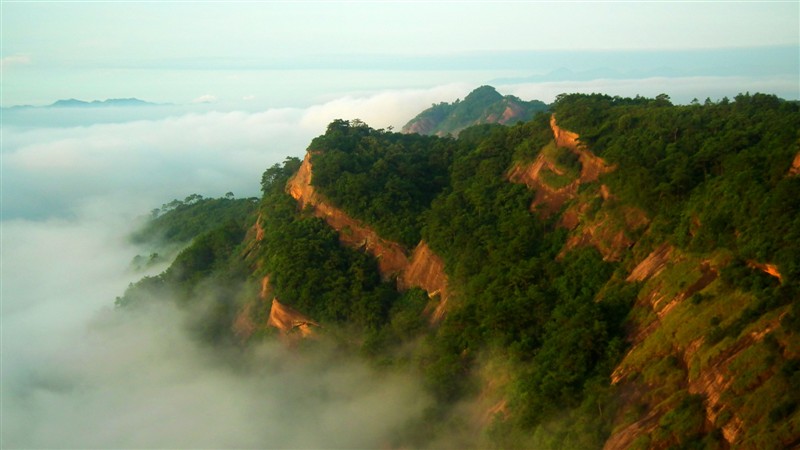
<point>610,274</point>
<point>130,102</point>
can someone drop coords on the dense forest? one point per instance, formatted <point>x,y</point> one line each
<point>556,330</point>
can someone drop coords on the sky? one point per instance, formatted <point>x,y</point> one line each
<point>180,52</point>
<point>245,85</point>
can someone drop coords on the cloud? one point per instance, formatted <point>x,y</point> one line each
<point>388,108</point>
<point>14,60</point>
<point>205,98</point>
<point>680,89</point>
<point>78,374</point>
<point>248,98</point>
<point>54,170</point>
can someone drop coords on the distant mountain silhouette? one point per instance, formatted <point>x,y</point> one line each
<point>74,103</point>
<point>111,102</point>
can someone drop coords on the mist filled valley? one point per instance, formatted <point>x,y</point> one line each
<point>400,225</point>
<point>486,278</point>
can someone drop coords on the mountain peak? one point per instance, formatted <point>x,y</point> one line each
<point>482,105</point>
<point>73,103</point>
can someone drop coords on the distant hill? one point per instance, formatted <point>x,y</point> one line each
<point>75,103</point>
<point>483,105</point>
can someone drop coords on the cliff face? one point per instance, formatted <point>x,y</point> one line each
<point>675,355</point>
<point>548,199</point>
<point>424,269</point>
<point>795,169</point>
<point>674,358</point>
<point>608,229</point>
<point>592,166</point>
<point>425,125</point>
<point>289,320</point>
<point>391,256</point>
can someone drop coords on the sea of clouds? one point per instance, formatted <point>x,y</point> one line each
<point>78,374</point>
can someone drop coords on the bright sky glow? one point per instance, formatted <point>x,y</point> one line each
<point>180,51</point>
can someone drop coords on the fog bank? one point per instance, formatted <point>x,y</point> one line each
<point>78,374</point>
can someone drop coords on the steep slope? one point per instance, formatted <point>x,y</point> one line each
<point>594,215</point>
<point>483,105</point>
<point>423,269</point>
<point>706,353</point>
<point>626,276</point>
<point>391,256</point>
<point>695,370</point>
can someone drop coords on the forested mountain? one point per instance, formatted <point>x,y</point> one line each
<point>481,106</point>
<point>615,273</point>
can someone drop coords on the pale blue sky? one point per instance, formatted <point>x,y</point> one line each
<point>179,51</point>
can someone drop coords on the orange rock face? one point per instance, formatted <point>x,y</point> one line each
<point>610,237</point>
<point>795,169</point>
<point>391,256</point>
<point>652,265</point>
<point>548,200</point>
<point>512,112</point>
<point>769,269</point>
<point>425,269</point>
<point>592,166</point>
<point>564,138</point>
<point>288,320</point>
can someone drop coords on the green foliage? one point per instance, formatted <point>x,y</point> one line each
<point>310,270</point>
<point>512,292</point>
<point>181,221</point>
<point>710,177</point>
<point>716,174</point>
<point>483,105</point>
<point>206,276</point>
<point>684,424</point>
<point>384,179</point>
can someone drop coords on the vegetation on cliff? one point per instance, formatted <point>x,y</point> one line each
<point>578,337</point>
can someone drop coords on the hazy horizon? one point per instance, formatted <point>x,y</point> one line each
<point>282,54</point>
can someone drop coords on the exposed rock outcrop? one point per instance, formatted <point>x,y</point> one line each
<point>288,320</point>
<point>769,269</point>
<point>254,235</point>
<point>679,329</point>
<point>424,269</point>
<point>548,200</point>
<point>391,256</point>
<point>795,169</point>
<point>243,324</point>
<point>592,166</point>
<point>609,233</point>
<point>652,265</point>
<point>424,125</point>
